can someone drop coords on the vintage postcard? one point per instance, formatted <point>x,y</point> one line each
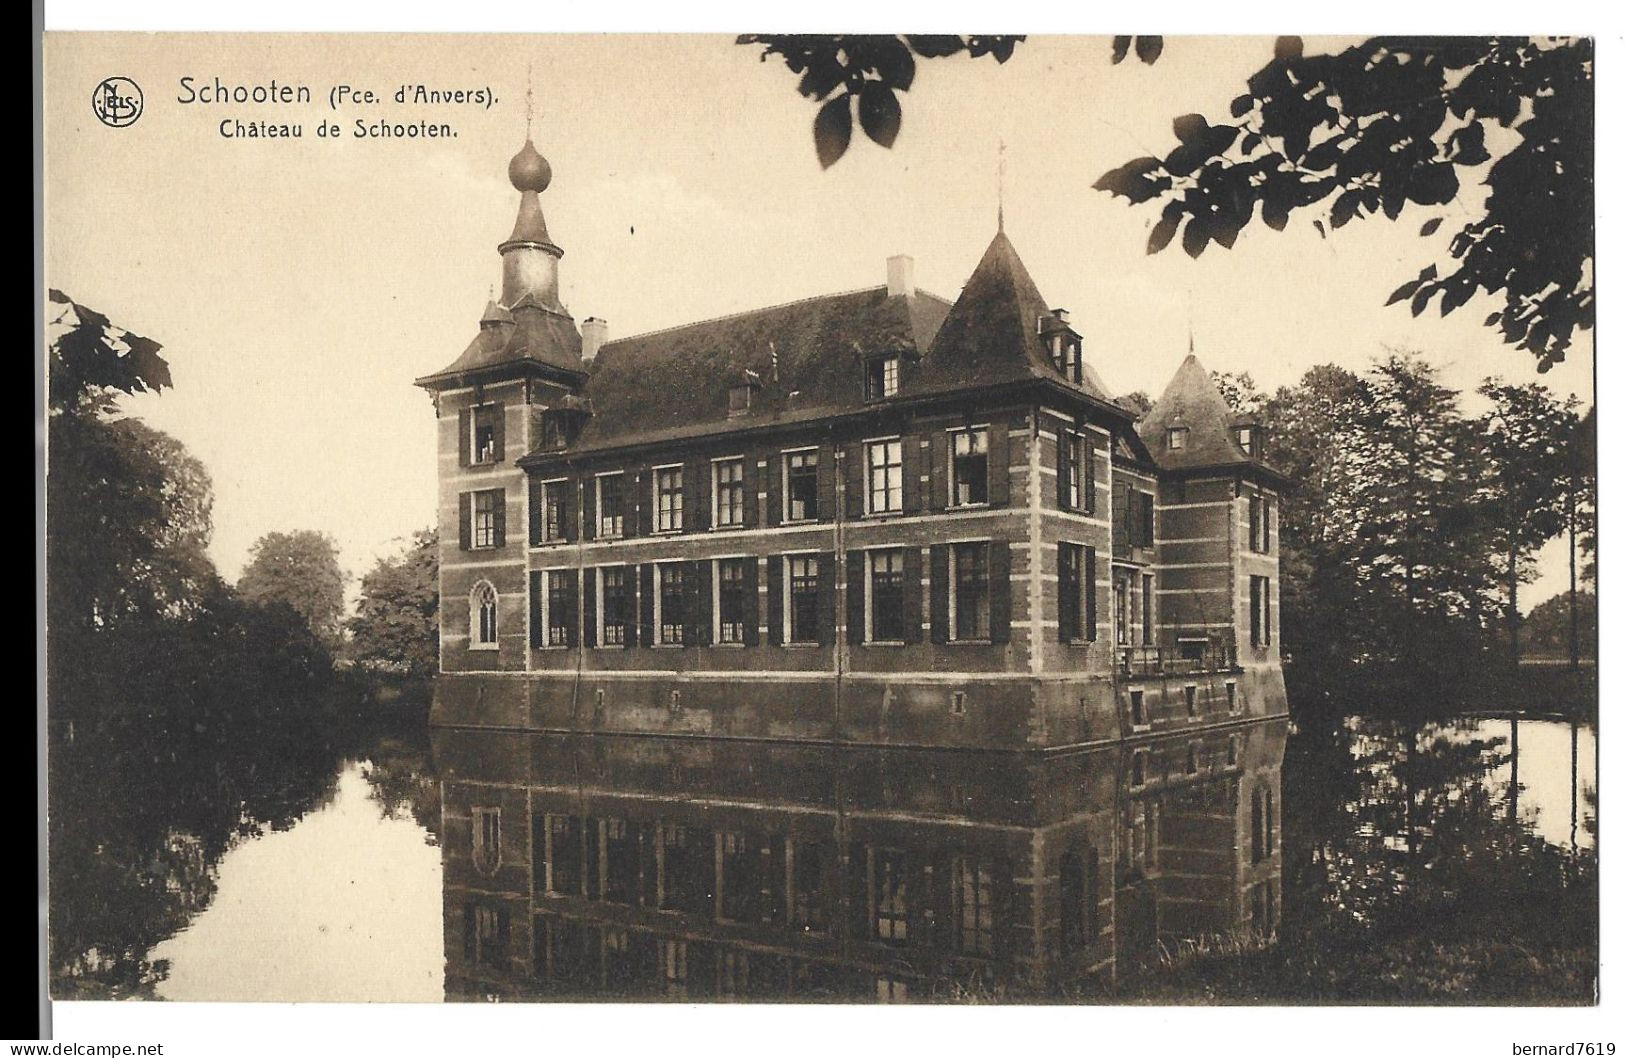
<point>923,519</point>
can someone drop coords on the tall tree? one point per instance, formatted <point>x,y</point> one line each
<point>1395,122</point>
<point>301,569</point>
<point>1523,442</point>
<point>396,624</point>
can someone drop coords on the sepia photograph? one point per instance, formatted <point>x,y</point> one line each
<point>731,519</point>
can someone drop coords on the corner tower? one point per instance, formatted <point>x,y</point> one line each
<point>489,402</point>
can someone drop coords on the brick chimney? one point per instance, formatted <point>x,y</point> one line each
<point>899,276</point>
<point>594,333</point>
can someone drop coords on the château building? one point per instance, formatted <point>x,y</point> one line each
<point>878,516</point>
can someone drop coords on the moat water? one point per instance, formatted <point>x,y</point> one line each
<point>425,867</point>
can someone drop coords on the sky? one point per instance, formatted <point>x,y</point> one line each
<point>298,286</point>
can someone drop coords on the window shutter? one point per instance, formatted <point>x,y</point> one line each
<point>1266,604</point>
<point>913,577</point>
<point>1266,525</point>
<point>774,513</point>
<point>646,604</point>
<point>589,607</point>
<point>826,598</point>
<point>500,522</point>
<point>752,608</point>
<point>535,500</point>
<point>752,483</point>
<point>998,463</point>
<point>1090,611</point>
<point>999,591</point>
<point>465,433</point>
<point>632,502</point>
<point>572,635</point>
<point>1066,579</point>
<point>701,514</point>
<point>939,471</point>
<point>854,596</point>
<point>1088,474</point>
<point>646,500</point>
<point>567,510</point>
<point>1148,519</point>
<point>775,600</point>
<point>1120,515</point>
<point>1063,469</point>
<point>826,482</point>
<point>939,592</point>
<point>465,519</point>
<point>856,478</point>
<point>911,474</point>
<point>629,608</point>
<point>1255,616</point>
<point>699,601</point>
<point>589,508</point>
<point>538,599</point>
<point>499,431</point>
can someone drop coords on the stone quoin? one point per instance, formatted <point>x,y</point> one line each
<point>875,517</point>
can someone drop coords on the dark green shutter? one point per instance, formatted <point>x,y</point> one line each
<point>999,589</point>
<point>646,501</point>
<point>911,474</point>
<point>1067,594</point>
<point>1090,607</point>
<point>534,491</point>
<point>998,463</point>
<point>775,599</point>
<point>572,632</point>
<point>538,599</point>
<point>589,607</point>
<point>826,598</point>
<point>826,482</point>
<point>589,508</point>
<point>854,597</point>
<point>465,519</point>
<point>499,532</point>
<point>774,513</point>
<point>567,510</point>
<point>1088,474</point>
<point>939,471</point>
<point>646,604</point>
<point>856,457</point>
<point>465,430</point>
<point>939,593</point>
<point>629,606</point>
<point>752,607</point>
<point>700,575</point>
<point>499,430</point>
<point>1063,470</point>
<point>913,578</point>
<point>753,478</point>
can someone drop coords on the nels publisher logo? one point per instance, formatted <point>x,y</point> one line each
<point>117,102</point>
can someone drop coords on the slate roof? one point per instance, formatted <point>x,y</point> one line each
<point>1194,402</point>
<point>524,334</point>
<point>991,334</point>
<point>674,383</point>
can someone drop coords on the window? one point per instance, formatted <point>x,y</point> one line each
<point>1230,696</point>
<point>562,849</point>
<point>485,941</point>
<point>1070,484</point>
<point>969,467</point>
<point>1148,520</point>
<point>1246,439</point>
<point>1080,899</point>
<point>668,499</point>
<point>1089,476</point>
<point>670,601</point>
<point>487,515</point>
<point>1136,707</point>
<point>803,598</point>
<point>1077,590</point>
<point>885,476</point>
<point>1232,750</point>
<point>886,597</point>
<point>484,440</point>
<point>974,896</point>
<point>1258,523</point>
<point>560,612</point>
<point>609,505</point>
<point>739,398</point>
<point>615,608</point>
<point>801,486</point>
<point>487,839</point>
<point>880,378</point>
<point>731,600</point>
<point>1190,699</point>
<point>1260,610</point>
<point>809,908</point>
<point>888,886</point>
<point>553,499</point>
<point>1136,775</point>
<point>969,599</point>
<point>1264,523</point>
<point>553,432</point>
<point>1177,435</point>
<point>483,614</point>
<point>730,492</point>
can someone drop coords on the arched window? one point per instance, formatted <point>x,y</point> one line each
<point>482,615</point>
<point>487,839</point>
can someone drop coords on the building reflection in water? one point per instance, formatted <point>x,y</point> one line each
<point>592,867</point>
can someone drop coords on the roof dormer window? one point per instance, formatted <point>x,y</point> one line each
<point>739,399</point>
<point>1251,440</point>
<point>1177,436</point>
<point>880,377</point>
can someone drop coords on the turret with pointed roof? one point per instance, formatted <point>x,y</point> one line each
<point>1193,403</point>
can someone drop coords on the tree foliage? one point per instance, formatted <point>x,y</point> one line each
<point>1397,122</point>
<point>396,625</point>
<point>300,569</point>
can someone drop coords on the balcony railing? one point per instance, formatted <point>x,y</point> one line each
<point>1214,655</point>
